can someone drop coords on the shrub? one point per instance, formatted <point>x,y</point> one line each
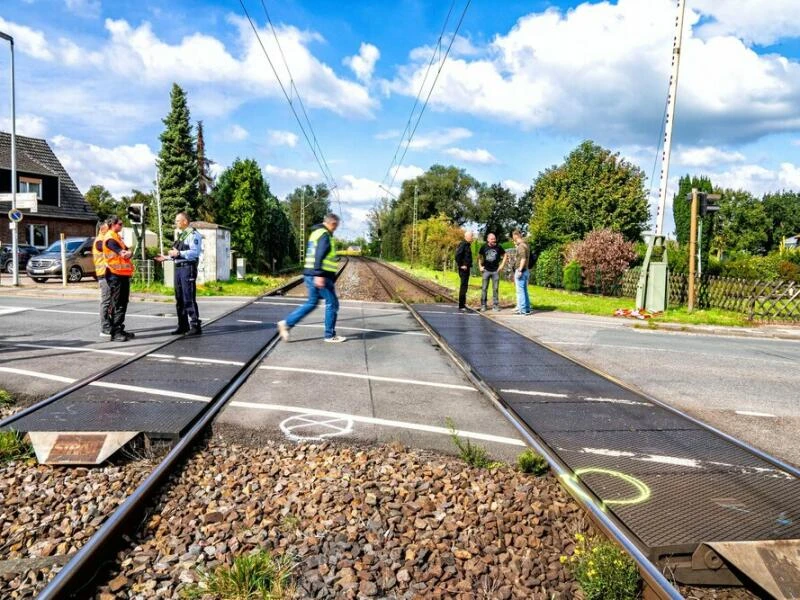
<point>572,277</point>
<point>13,446</point>
<point>745,266</point>
<point>258,575</point>
<point>532,463</point>
<point>603,570</point>
<point>472,454</point>
<point>677,258</point>
<point>604,256</point>
<point>5,398</point>
<point>548,268</point>
<point>437,239</point>
<point>789,271</point>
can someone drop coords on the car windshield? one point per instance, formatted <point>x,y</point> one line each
<point>72,245</point>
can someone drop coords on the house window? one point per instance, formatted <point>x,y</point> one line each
<point>37,235</point>
<point>28,185</point>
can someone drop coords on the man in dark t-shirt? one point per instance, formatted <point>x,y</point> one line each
<point>491,260</point>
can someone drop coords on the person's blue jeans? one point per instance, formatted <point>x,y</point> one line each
<point>523,298</point>
<point>327,293</point>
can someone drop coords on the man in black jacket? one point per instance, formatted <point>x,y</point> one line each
<point>464,265</point>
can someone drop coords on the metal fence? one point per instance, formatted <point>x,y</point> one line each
<point>761,300</point>
<point>144,271</point>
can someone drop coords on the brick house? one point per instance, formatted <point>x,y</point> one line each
<point>61,206</point>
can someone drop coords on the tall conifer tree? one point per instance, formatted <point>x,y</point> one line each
<point>177,162</point>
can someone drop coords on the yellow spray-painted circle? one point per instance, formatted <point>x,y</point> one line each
<point>641,487</point>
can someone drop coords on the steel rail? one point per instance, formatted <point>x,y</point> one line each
<point>607,522</point>
<point>410,279</point>
<point>123,363</point>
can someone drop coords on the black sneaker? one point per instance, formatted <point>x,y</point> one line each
<point>178,331</point>
<point>122,337</point>
<point>194,331</point>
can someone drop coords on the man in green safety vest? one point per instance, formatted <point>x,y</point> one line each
<point>320,279</point>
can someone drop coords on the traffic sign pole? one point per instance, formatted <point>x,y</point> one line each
<point>14,231</point>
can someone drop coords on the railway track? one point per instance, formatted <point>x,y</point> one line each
<point>77,575</point>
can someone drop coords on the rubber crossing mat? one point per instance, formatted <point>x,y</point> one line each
<point>673,483</point>
<point>162,393</point>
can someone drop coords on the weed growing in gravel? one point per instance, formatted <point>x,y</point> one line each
<point>5,398</point>
<point>258,576</point>
<point>603,570</point>
<point>532,463</point>
<point>13,446</point>
<point>472,454</point>
<point>289,523</point>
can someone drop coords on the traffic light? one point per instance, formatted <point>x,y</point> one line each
<point>708,203</point>
<point>136,214</point>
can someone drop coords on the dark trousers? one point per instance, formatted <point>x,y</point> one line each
<point>463,274</point>
<point>105,305</point>
<point>186,295</point>
<point>119,289</point>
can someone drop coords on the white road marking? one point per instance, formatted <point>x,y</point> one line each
<point>376,421</point>
<point>532,393</point>
<point>248,321</point>
<point>333,427</point>
<point>10,310</point>
<point>450,386</point>
<point>752,413</point>
<point>212,361</point>
<point>341,306</point>
<point>37,374</point>
<point>83,312</point>
<point>161,355</point>
<point>616,401</point>
<point>151,391</point>
<point>73,349</point>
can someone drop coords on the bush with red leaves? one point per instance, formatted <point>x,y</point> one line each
<point>604,256</point>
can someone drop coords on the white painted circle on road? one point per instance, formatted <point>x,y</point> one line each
<point>315,427</point>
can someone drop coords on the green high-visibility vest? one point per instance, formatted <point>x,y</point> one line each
<point>330,262</point>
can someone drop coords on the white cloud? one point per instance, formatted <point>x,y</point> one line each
<point>363,63</point>
<point>84,8</point>
<point>706,156</point>
<point>282,138</point>
<point>391,134</point>
<point>237,133</point>
<point>564,71</point>
<point>753,22</point>
<point>757,179</point>
<point>296,176</point>
<point>440,138</point>
<point>27,124</point>
<point>28,41</point>
<point>119,169</point>
<point>479,155</point>
<point>407,172</point>
<point>517,187</point>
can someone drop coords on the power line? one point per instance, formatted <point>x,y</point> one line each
<point>430,92</point>
<point>315,148</point>
<point>436,50</point>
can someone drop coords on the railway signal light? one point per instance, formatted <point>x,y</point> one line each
<point>136,214</point>
<point>708,203</point>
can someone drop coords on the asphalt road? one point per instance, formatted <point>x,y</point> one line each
<point>749,388</point>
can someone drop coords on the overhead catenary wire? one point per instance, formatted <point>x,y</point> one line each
<point>430,91</point>
<point>314,146</point>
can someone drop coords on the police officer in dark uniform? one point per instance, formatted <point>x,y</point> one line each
<point>186,255</point>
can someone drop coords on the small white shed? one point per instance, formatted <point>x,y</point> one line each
<point>215,261</point>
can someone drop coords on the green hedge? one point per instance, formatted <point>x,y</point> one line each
<point>549,269</point>
<point>744,266</point>
<point>573,280</point>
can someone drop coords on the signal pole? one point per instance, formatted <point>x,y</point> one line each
<point>414,226</point>
<point>15,226</point>
<point>692,249</point>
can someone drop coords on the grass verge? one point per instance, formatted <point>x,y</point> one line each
<point>252,285</point>
<point>547,299</point>
<point>259,576</point>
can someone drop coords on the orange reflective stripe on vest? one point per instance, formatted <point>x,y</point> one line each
<point>114,262</point>
<point>98,256</point>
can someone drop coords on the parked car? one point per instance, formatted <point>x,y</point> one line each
<point>24,253</point>
<point>48,264</point>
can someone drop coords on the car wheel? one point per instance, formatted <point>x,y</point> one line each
<point>75,274</point>
<point>9,267</point>
<point>40,279</point>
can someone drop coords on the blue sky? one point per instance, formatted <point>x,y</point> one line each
<point>523,86</point>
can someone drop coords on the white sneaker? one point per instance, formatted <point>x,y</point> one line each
<point>283,330</point>
<point>337,339</point>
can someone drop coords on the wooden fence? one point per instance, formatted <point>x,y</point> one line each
<point>762,300</point>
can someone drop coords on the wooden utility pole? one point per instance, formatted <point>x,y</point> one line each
<point>693,249</point>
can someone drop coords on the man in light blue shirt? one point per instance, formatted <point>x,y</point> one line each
<point>186,255</point>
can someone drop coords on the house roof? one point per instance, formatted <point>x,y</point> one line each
<point>35,156</point>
